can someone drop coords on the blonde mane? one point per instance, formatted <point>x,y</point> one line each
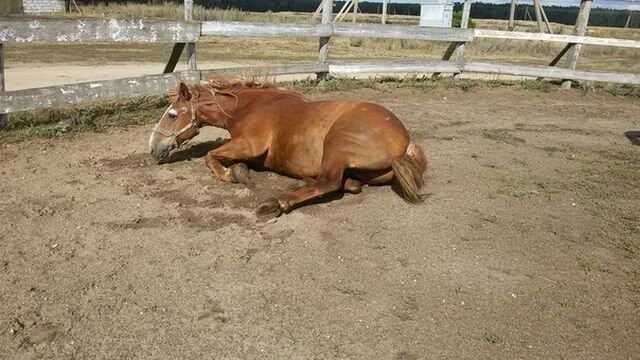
<point>222,84</point>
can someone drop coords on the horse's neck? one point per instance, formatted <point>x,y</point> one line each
<point>246,100</point>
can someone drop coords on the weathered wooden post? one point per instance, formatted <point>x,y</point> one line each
<point>327,14</point>
<point>579,30</point>
<point>457,47</point>
<point>628,22</point>
<point>512,14</point>
<point>464,23</point>
<point>178,47</point>
<point>536,8</point>
<point>4,118</point>
<point>355,11</point>
<point>191,47</point>
<point>546,19</point>
<point>384,11</point>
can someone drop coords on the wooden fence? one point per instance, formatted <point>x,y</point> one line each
<point>147,31</point>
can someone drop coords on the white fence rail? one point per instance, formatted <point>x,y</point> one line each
<point>149,31</point>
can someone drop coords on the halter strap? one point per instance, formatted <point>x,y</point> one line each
<point>174,135</point>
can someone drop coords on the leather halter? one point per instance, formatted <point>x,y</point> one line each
<point>174,135</point>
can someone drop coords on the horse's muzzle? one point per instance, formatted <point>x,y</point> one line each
<point>160,151</point>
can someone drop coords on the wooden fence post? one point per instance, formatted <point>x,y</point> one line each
<point>178,47</point>
<point>385,4</point>
<point>4,118</point>
<point>355,11</point>
<point>512,14</point>
<point>323,53</point>
<point>457,47</point>
<point>546,19</point>
<point>191,47</point>
<point>466,10</point>
<point>536,8</point>
<point>579,30</point>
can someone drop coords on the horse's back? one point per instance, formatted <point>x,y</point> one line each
<point>304,132</point>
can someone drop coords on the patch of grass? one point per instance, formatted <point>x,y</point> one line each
<point>402,314</point>
<point>91,117</point>
<point>516,190</point>
<point>491,338</point>
<point>589,265</point>
<point>348,290</point>
<point>502,135</point>
<point>538,85</point>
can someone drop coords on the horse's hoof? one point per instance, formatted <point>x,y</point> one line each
<point>239,173</point>
<point>269,209</point>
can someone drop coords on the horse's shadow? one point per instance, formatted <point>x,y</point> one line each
<point>194,152</point>
<point>633,136</point>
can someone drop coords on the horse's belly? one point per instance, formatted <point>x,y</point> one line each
<point>297,157</point>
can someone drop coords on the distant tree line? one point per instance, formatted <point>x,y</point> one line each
<point>558,14</point>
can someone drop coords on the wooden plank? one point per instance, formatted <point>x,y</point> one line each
<point>355,11</point>
<point>450,50</point>
<point>342,10</point>
<point>191,47</point>
<point>512,14</point>
<point>323,45</point>
<point>236,28</point>
<point>274,70</point>
<point>546,19</point>
<point>402,32</point>
<point>55,96</point>
<point>97,30</point>
<point>536,8</point>
<point>561,54</point>
<point>4,118</point>
<point>174,57</point>
<point>587,40</point>
<point>552,72</point>
<point>239,28</point>
<point>385,4</point>
<point>580,30</point>
<point>447,55</point>
<point>405,66</point>
<point>464,23</point>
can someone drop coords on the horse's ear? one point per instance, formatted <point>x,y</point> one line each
<point>185,94</point>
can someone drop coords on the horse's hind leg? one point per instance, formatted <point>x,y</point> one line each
<point>352,186</point>
<point>329,180</point>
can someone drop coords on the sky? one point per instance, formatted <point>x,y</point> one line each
<point>611,4</point>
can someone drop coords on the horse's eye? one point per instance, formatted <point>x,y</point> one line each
<point>172,114</point>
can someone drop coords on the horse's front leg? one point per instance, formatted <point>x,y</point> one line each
<point>232,152</point>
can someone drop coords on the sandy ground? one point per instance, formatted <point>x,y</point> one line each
<point>526,248</point>
<point>25,76</point>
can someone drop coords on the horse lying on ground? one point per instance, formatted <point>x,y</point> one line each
<point>340,145</point>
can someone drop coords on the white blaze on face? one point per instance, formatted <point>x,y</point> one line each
<point>153,138</point>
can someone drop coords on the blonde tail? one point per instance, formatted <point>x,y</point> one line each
<point>408,171</point>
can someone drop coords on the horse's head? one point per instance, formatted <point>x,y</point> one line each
<point>177,125</point>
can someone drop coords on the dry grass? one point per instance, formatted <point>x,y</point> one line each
<point>101,116</point>
<point>299,49</point>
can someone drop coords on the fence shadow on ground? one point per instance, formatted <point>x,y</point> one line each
<point>633,136</point>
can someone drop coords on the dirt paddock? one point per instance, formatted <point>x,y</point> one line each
<point>527,246</point>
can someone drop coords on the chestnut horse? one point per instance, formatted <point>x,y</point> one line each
<point>335,145</point>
